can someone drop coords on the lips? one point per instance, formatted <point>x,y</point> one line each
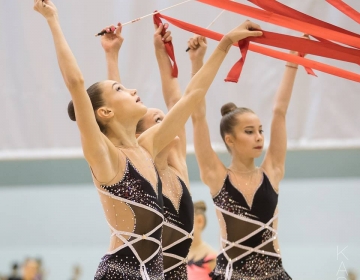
<point>138,100</point>
<point>258,147</point>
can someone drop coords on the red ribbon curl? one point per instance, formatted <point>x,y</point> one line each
<point>168,46</point>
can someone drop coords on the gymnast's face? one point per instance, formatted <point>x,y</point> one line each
<point>152,117</point>
<point>247,139</point>
<point>122,103</point>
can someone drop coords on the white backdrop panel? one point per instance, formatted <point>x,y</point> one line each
<point>323,113</point>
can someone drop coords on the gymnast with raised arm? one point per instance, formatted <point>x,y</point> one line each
<point>170,162</point>
<point>245,196</point>
<point>129,186</point>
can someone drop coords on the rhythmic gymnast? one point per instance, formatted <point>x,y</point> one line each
<point>201,256</point>
<point>129,186</point>
<point>245,196</point>
<point>170,162</point>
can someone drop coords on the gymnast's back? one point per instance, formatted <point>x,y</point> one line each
<point>133,208</point>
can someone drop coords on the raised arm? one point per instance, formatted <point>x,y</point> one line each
<point>212,170</point>
<point>93,141</point>
<point>170,85</point>
<point>172,94</point>
<point>111,42</point>
<point>274,161</point>
<point>156,138</point>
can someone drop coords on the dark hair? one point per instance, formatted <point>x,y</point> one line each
<point>95,94</point>
<point>229,112</point>
<point>200,209</point>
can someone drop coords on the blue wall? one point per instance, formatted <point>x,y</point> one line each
<point>64,225</point>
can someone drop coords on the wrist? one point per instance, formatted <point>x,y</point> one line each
<point>112,53</point>
<point>161,52</point>
<point>52,19</point>
<point>225,44</point>
<point>197,63</point>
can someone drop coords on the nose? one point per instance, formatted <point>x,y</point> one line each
<point>259,137</point>
<point>133,91</point>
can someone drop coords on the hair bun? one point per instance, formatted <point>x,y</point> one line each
<point>227,108</point>
<point>71,111</point>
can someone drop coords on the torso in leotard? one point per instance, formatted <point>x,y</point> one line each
<point>133,209</point>
<point>250,248</point>
<point>178,233</point>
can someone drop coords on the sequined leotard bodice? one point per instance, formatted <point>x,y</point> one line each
<point>249,245</point>
<point>177,234</point>
<point>134,213</point>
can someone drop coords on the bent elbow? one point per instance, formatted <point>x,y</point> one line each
<point>74,82</point>
<point>278,111</point>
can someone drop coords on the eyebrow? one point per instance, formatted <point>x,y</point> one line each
<point>250,126</point>
<point>114,84</point>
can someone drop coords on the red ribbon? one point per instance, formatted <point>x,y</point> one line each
<point>281,9</point>
<point>235,71</point>
<point>284,21</point>
<point>168,46</point>
<point>346,9</point>
<point>283,41</point>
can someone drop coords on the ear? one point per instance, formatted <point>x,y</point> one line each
<point>105,112</point>
<point>229,140</point>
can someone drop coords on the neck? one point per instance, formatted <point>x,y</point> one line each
<point>123,135</point>
<point>242,165</point>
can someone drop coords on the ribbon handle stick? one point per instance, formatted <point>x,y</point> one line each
<point>215,19</point>
<point>140,18</point>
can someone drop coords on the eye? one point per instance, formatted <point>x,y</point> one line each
<point>248,131</point>
<point>158,120</point>
<point>261,131</point>
<point>118,88</point>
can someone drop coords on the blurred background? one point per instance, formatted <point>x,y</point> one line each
<point>51,221</point>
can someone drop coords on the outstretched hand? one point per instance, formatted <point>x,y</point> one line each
<point>160,40</point>
<point>304,36</point>
<point>112,40</point>
<point>46,8</point>
<point>197,48</point>
<point>247,29</point>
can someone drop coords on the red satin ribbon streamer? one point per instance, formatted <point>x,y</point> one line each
<point>281,9</point>
<point>168,46</point>
<point>284,21</point>
<point>346,9</point>
<point>285,41</point>
<point>235,71</point>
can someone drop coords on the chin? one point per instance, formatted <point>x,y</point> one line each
<point>258,153</point>
<point>143,109</point>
